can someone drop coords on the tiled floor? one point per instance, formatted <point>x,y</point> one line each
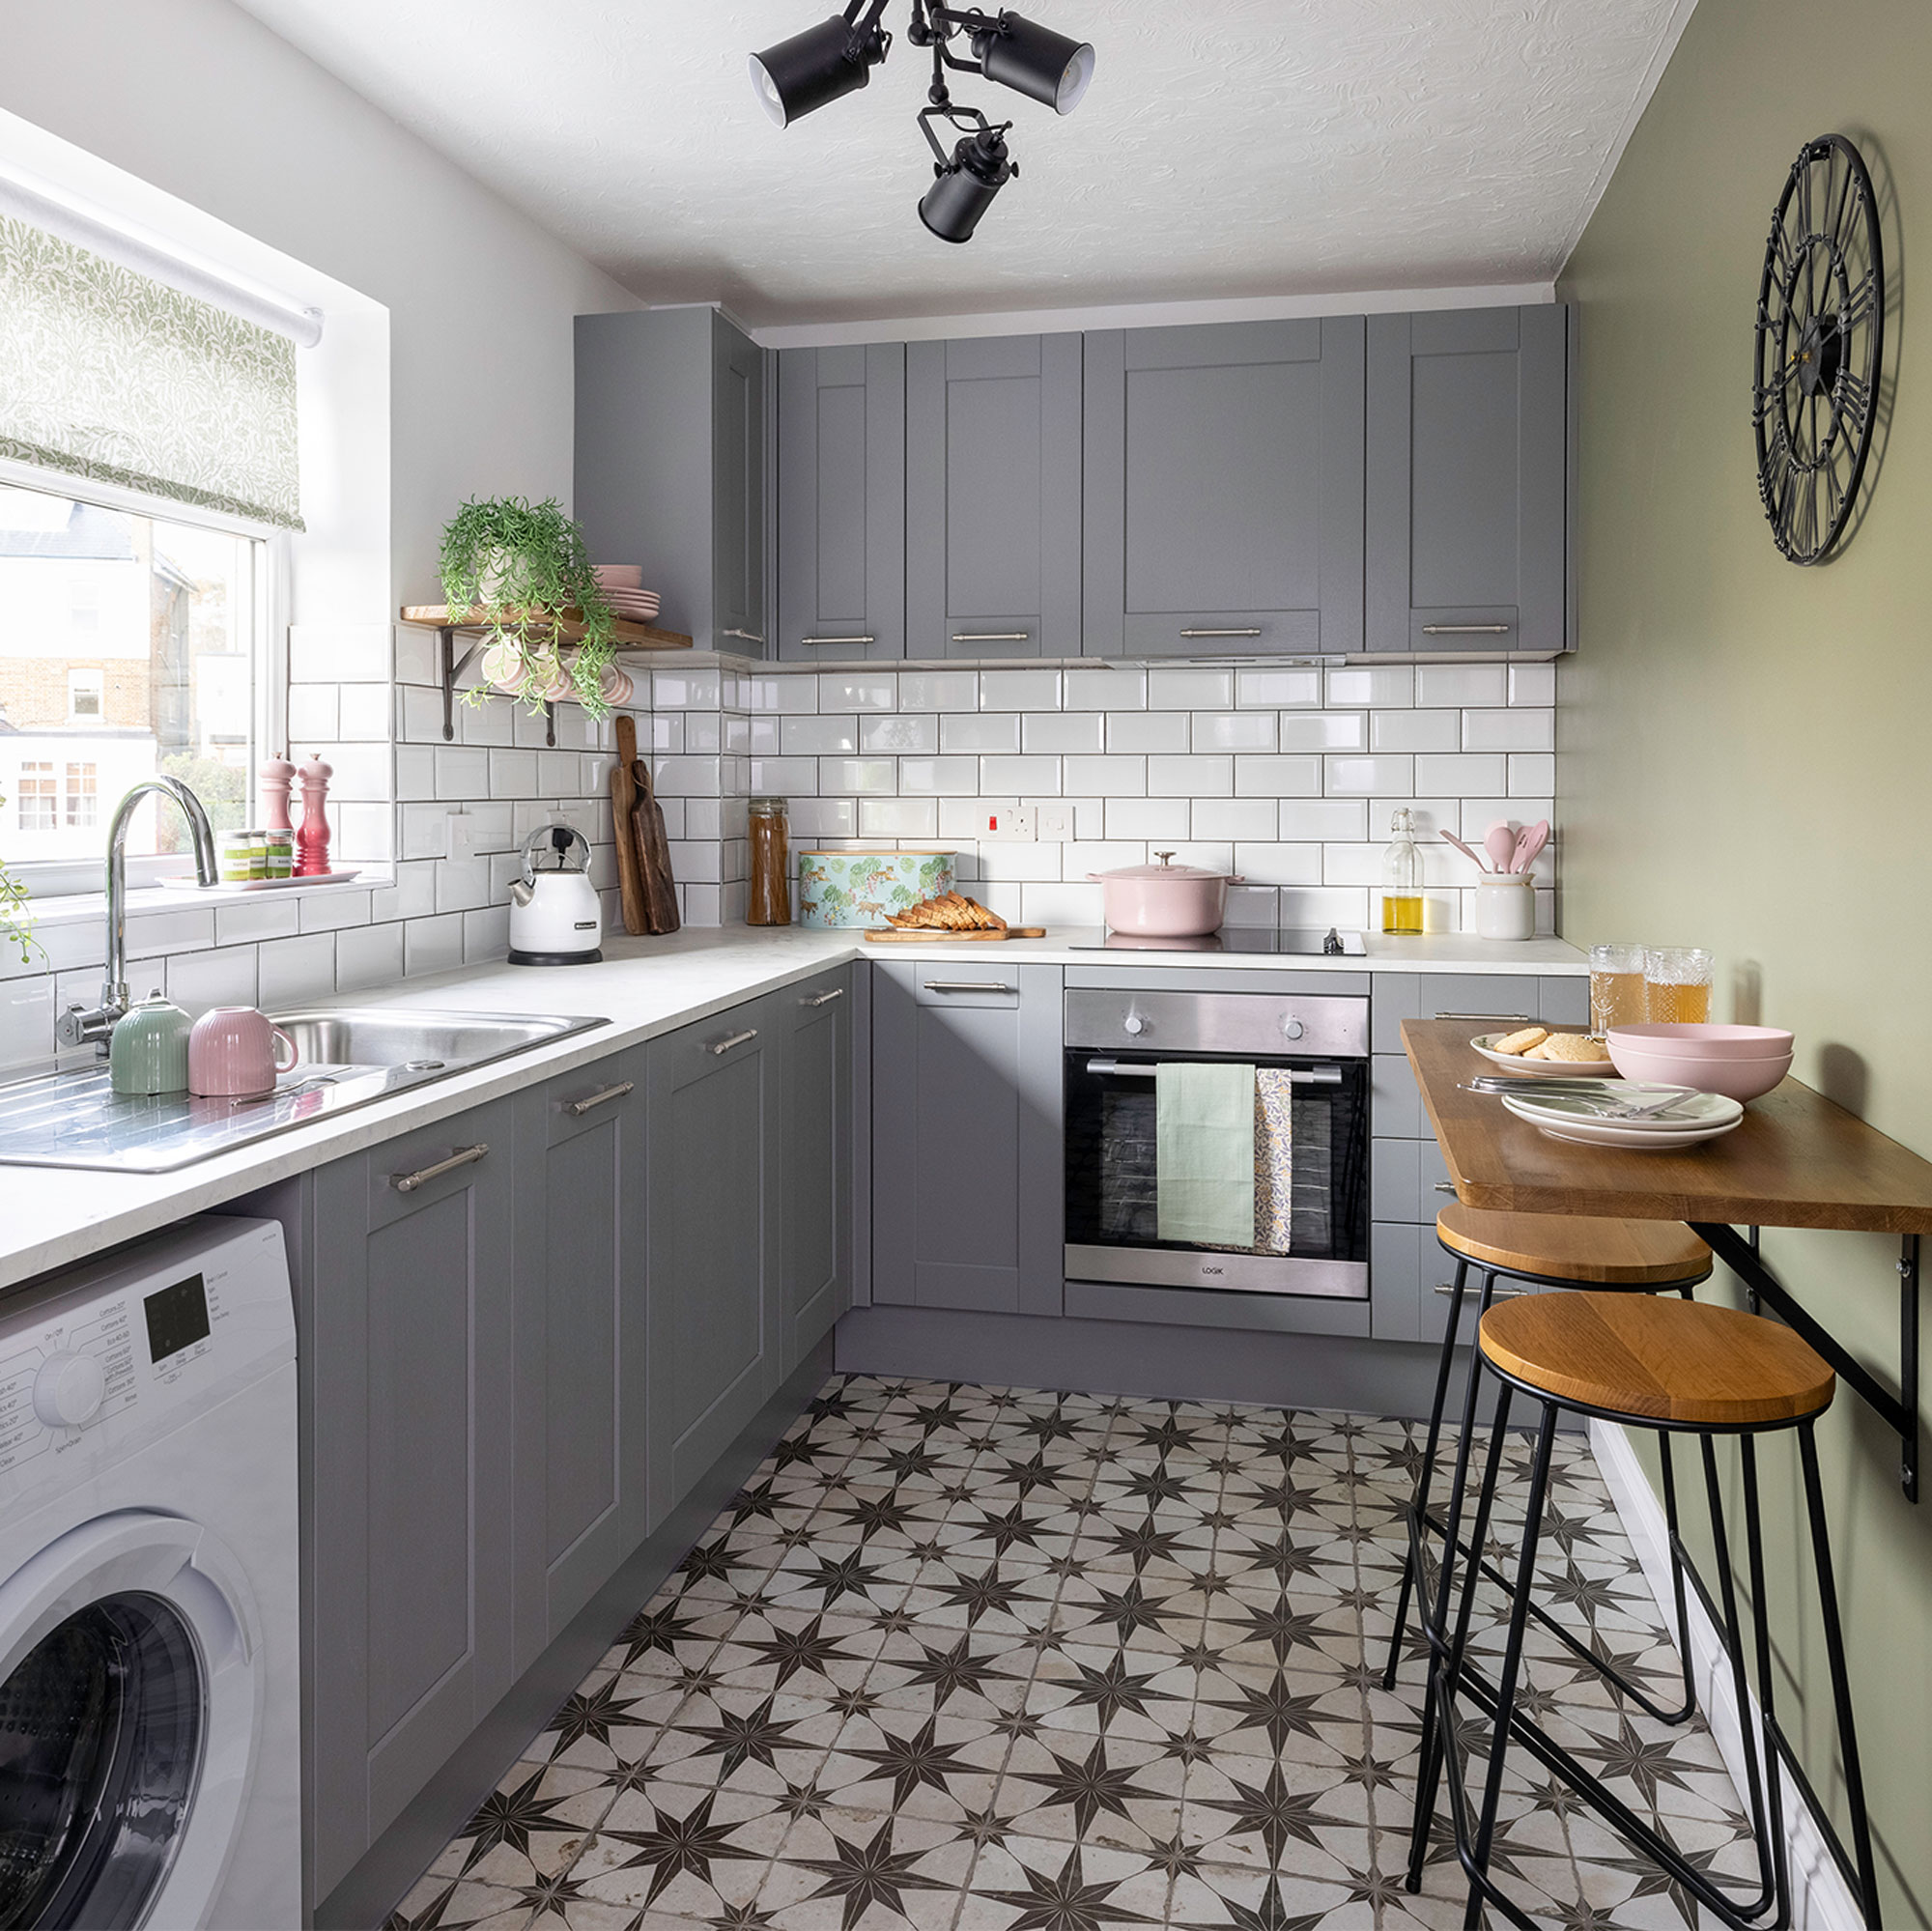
<point>968,1656</point>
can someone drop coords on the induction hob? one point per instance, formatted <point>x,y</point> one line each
<point>1292,942</point>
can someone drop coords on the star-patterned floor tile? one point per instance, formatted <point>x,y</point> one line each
<point>976,1659</point>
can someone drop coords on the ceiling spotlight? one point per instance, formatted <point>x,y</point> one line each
<point>821,64</point>
<point>966,185</point>
<point>1035,60</point>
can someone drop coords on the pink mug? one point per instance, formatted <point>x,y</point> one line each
<point>231,1053</point>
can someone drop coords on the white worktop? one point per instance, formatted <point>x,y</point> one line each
<point>50,1217</point>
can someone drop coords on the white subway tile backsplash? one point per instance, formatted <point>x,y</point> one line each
<point>1323,820</point>
<point>419,715</point>
<point>341,653</point>
<point>992,731</point>
<point>1531,773</point>
<point>857,691</point>
<point>1261,776</point>
<point>1190,776</point>
<point>1371,687</point>
<point>292,972</point>
<point>1109,777</point>
<point>464,773</point>
<point>461,883</point>
<point>315,711</point>
<point>1462,684</point>
<point>416,773</point>
<point>1253,906</point>
<point>1023,776</point>
<point>335,910</point>
<point>1324,730</point>
<point>1147,819</point>
<point>1019,690</point>
<point>781,694</point>
<point>1532,684</point>
<point>684,777</point>
<point>1519,729</point>
<point>1346,907</point>
<point>264,915</point>
<point>198,981</point>
<point>486,934</point>
<point>939,689</point>
<point>1273,863</point>
<point>932,777</point>
<point>824,819</point>
<point>1271,690</point>
<point>1415,730</point>
<point>762,736</point>
<point>1064,904</point>
<point>513,774</point>
<point>917,732</point>
<point>492,724</point>
<point>152,932</point>
<point>1019,862</point>
<point>364,715</point>
<point>703,731</point>
<point>432,944</point>
<point>1232,819</point>
<point>898,818</point>
<point>368,956</point>
<point>784,777</point>
<point>1233,730</point>
<point>819,737</point>
<point>698,688</point>
<point>1364,776</point>
<point>415,654</point>
<point>1116,687</point>
<point>1460,774</point>
<point>26,1021</point>
<point>1054,731</point>
<point>1150,731</point>
<point>364,834</point>
<point>1178,688</point>
<point>874,775</point>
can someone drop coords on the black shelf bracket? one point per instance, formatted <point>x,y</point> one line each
<point>453,667</point>
<point>1898,1411</point>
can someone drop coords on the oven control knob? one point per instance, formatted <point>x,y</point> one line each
<point>1292,1028</point>
<point>67,1389</point>
<point>1133,1023</point>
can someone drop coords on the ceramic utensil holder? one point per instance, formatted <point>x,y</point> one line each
<point>1506,907</point>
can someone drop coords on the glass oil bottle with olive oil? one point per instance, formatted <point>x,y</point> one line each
<point>1401,879</point>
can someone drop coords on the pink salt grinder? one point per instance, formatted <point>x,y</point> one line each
<point>312,840</point>
<point>277,775</point>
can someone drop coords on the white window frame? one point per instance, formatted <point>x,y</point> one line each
<point>59,878</point>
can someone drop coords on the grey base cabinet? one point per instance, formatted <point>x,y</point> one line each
<point>411,1458</point>
<point>715,1338</point>
<point>579,1262</point>
<point>815,1161</point>
<point>967,1191</point>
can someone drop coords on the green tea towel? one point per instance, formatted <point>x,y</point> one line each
<point>1204,1153</point>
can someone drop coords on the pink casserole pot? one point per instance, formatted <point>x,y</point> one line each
<point>1165,900</point>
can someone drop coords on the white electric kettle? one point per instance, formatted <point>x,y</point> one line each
<point>555,916</point>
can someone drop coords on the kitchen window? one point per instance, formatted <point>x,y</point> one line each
<point>82,793</point>
<point>37,797</point>
<point>85,690</point>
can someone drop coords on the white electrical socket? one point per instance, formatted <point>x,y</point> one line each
<point>464,834</point>
<point>1056,823</point>
<point>1006,825</point>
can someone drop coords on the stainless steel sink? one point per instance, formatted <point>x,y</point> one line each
<point>350,1056</point>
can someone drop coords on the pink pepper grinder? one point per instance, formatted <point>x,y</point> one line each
<point>312,840</point>
<point>277,775</point>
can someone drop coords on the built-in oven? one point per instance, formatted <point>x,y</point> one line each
<point>1114,1040</point>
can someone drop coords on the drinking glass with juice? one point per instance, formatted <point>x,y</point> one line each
<point>1677,986</point>
<point>1617,994</point>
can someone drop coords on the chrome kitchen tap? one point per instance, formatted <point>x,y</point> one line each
<point>77,1024</point>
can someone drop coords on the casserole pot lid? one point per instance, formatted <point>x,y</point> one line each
<point>1164,870</point>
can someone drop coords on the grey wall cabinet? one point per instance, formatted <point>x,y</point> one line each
<point>579,1261</point>
<point>670,464</point>
<point>1224,488</point>
<point>993,487</point>
<point>841,502</point>
<point>410,1564</point>
<point>816,1159</point>
<point>716,1340</point>
<point>967,1192</point>
<point>1468,426</point>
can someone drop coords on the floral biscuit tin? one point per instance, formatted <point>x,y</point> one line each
<point>860,887</point>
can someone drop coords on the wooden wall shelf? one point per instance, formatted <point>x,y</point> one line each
<point>628,636</point>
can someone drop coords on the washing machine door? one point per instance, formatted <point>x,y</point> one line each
<point>130,1714</point>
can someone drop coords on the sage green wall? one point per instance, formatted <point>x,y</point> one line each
<point>1745,753</point>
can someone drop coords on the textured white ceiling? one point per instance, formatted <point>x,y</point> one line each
<point>1228,148</point>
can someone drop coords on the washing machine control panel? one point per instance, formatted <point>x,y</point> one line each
<point>132,1350</point>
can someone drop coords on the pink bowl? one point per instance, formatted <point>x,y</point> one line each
<point>1659,1059</point>
<point>619,576</point>
<point>1709,1042</point>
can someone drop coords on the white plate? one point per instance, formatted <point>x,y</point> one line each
<point>1603,1134</point>
<point>1542,1068</point>
<point>1698,1116</point>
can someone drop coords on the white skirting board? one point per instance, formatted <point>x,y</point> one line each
<point>1820,1898</point>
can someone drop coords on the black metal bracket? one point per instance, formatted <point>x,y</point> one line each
<point>1898,1411</point>
<point>453,667</point>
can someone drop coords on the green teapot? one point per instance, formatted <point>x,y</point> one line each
<point>148,1053</point>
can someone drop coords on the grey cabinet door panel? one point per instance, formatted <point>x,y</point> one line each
<point>737,488</point>
<point>816,1160</point>
<point>412,1423</point>
<point>841,501</point>
<point>993,488</point>
<point>1224,488</point>
<point>713,1227</point>
<point>1467,430</point>
<point>968,1204</point>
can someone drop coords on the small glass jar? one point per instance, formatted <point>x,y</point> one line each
<point>235,857</point>
<point>1401,879</point>
<point>770,903</point>
<point>280,848</point>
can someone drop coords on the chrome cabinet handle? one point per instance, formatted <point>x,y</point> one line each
<point>464,1156</point>
<point>991,635</point>
<point>964,986</point>
<point>1467,630</point>
<point>744,636</point>
<point>1296,1075</point>
<point>724,1046</point>
<point>1445,1186</point>
<point>1497,1292</point>
<point>825,998</point>
<point>1511,1019</point>
<point>581,1107</point>
<point>1253,630</point>
<point>831,639</point>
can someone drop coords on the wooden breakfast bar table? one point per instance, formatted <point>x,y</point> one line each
<point>1796,1160</point>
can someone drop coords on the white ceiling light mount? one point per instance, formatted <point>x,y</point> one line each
<point>836,58</point>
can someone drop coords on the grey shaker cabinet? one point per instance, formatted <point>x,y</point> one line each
<point>993,490</point>
<point>967,1190</point>
<point>841,472</point>
<point>1469,431</point>
<point>578,1261</point>
<point>712,1211</point>
<point>816,1159</point>
<point>1224,488</point>
<point>670,464</point>
<point>412,1422</point>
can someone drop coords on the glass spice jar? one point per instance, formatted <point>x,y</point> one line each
<point>771,865</point>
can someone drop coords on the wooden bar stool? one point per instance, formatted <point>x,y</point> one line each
<point>1546,1250</point>
<point>1676,1367</point>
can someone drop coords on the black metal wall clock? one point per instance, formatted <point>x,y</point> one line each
<point>1820,334</point>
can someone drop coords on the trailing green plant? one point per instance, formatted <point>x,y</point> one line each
<point>515,566</point>
<point>17,916</point>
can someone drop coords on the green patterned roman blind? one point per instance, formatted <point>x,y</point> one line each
<point>108,374</point>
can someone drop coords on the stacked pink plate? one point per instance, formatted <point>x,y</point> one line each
<point>1739,1061</point>
<point>622,584</point>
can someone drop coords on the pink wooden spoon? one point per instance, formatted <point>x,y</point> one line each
<point>1466,851</point>
<point>1530,840</point>
<point>1500,844</point>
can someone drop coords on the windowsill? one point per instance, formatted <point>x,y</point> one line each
<point>81,907</point>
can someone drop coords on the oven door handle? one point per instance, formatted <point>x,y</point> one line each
<point>1297,1075</point>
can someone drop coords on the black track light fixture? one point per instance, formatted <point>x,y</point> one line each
<point>837,57</point>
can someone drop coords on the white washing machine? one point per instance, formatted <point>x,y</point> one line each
<point>149,1657</point>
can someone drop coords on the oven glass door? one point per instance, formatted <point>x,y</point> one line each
<point>1112,1186</point>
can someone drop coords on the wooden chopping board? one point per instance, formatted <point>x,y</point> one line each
<point>623,800</point>
<point>887,935</point>
<point>653,849</point>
